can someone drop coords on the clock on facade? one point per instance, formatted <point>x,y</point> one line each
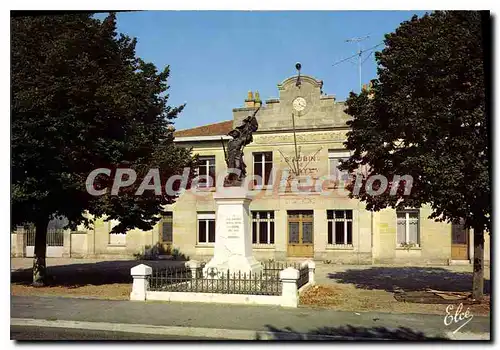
<point>299,104</point>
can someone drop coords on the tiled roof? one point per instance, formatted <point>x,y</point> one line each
<point>221,128</point>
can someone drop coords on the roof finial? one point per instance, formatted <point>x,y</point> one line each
<point>298,66</point>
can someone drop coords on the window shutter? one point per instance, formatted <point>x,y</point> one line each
<point>166,234</point>
<point>401,228</point>
<point>414,228</point>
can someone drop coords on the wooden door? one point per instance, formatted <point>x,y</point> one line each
<point>459,242</point>
<point>300,233</point>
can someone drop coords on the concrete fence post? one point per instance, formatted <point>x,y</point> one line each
<point>20,251</point>
<point>140,286</point>
<point>67,244</point>
<point>194,266</point>
<point>290,293</point>
<point>312,267</point>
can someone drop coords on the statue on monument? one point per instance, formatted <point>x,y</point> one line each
<point>242,136</point>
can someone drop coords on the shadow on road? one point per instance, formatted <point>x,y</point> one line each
<point>408,279</point>
<point>98,273</point>
<point>349,333</point>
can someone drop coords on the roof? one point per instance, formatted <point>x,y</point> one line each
<point>215,129</point>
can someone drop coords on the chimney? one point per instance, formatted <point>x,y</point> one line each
<point>258,101</point>
<point>250,101</point>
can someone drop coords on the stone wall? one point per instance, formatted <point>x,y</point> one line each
<point>79,244</point>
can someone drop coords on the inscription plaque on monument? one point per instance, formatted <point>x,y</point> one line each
<point>234,226</point>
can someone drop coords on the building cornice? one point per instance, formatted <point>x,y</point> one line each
<point>311,130</point>
<point>201,138</point>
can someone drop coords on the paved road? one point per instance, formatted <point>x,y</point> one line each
<point>240,317</point>
<point>47,333</point>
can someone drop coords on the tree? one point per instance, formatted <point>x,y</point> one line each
<point>82,100</point>
<point>425,116</point>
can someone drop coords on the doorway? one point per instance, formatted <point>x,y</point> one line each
<point>459,242</point>
<point>300,233</point>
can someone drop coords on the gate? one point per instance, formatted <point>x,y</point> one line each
<point>55,240</point>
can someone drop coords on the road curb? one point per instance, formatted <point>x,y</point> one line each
<point>216,333</point>
<point>202,332</point>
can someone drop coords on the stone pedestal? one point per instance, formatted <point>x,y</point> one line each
<point>233,234</point>
<point>289,292</point>
<point>140,285</point>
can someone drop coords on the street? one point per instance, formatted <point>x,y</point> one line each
<point>194,321</point>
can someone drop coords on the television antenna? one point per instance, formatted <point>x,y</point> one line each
<point>359,54</point>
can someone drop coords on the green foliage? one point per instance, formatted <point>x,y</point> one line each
<point>177,255</point>
<point>425,117</point>
<point>138,256</point>
<point>154,252</point>
<point>81,100</point>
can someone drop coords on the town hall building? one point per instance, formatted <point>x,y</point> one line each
<point>300,138</point>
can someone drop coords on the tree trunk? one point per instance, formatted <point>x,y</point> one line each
<point>478,274</point>
<point>39,267</point>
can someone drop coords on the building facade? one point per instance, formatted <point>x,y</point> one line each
<point>300,208</point>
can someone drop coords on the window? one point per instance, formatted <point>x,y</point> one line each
<point>334,157</point>
<point>206,168</point>
<point>339,227</point>
<point>262,166</point>
<point>167,228</point>
<point>206,228</point>
<point>408,230</point>
<point>263,227</point>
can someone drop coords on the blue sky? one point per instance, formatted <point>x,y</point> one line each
<point>216,57</point>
